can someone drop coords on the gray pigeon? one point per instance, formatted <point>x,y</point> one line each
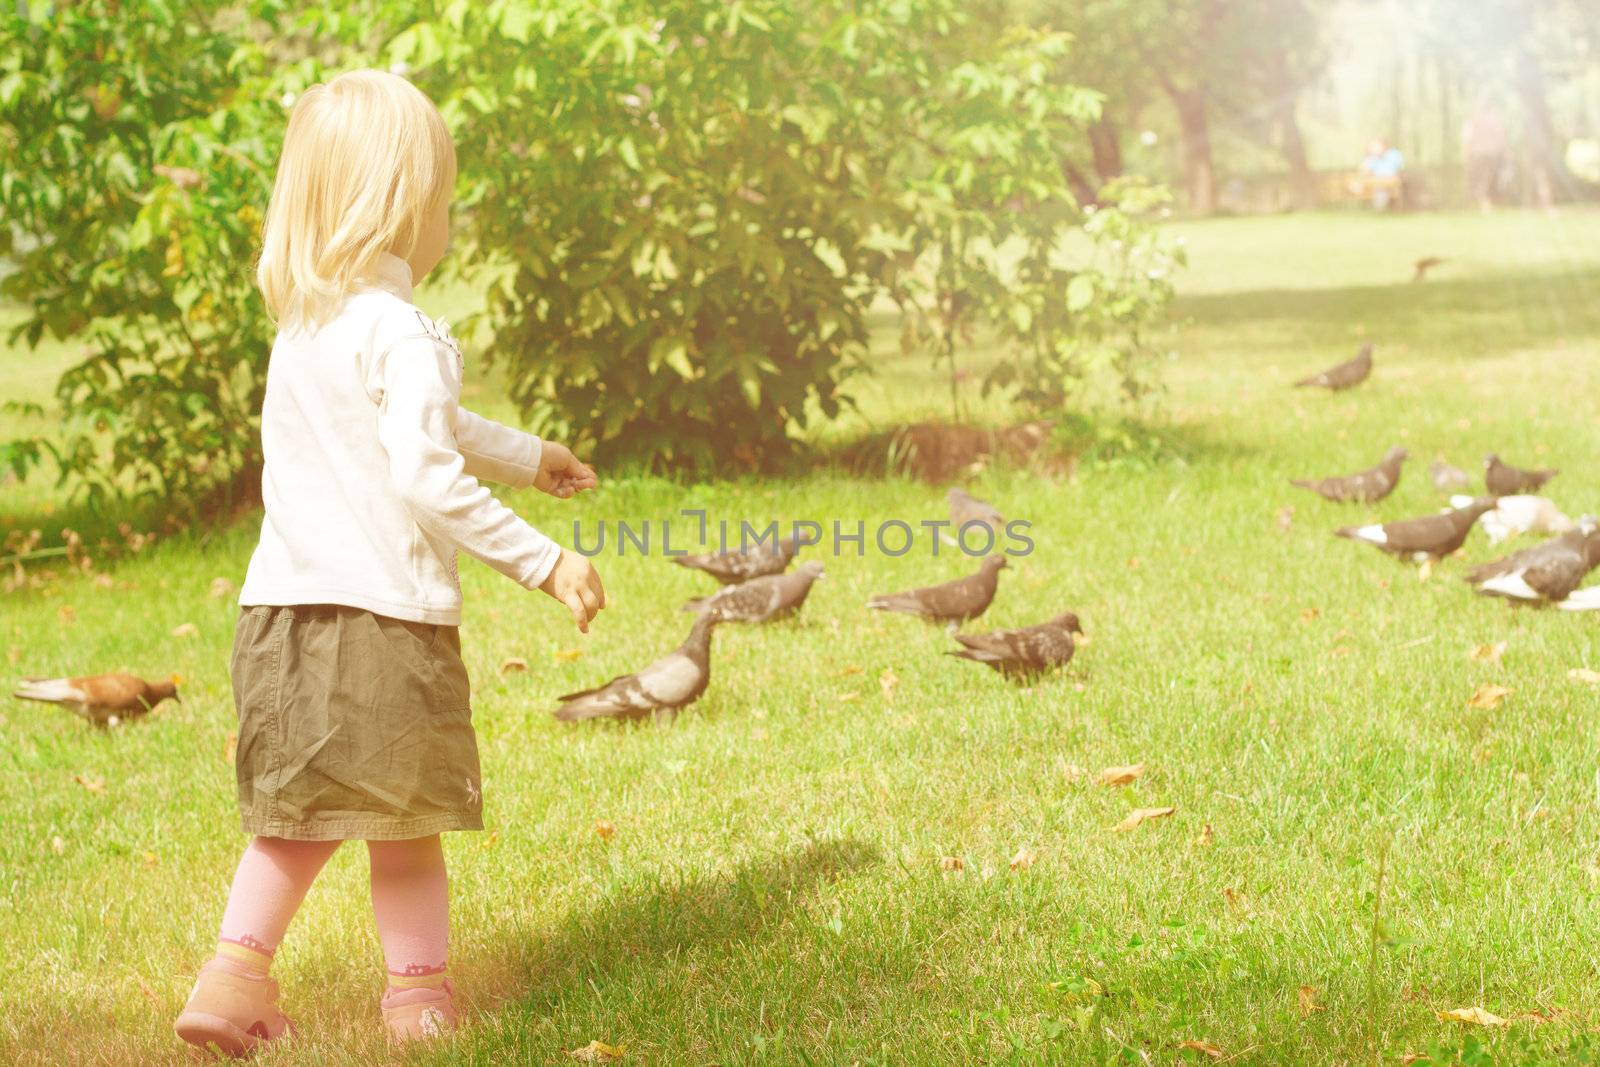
<point>1427,537</point>
<point>951,602</point>
<point>1023,653</point>
<point>1502,479</point>
<point>1445,477</point>
<point>1548,571</point>
<point>1366,487</point>
<point>672,682</point>
<point>761,599</point>
<point>966,508</point>
<point>734,566</point>
<point>1349,373</point>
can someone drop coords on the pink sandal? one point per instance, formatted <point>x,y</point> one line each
<point>231,1012</point>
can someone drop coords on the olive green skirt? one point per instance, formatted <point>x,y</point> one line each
<point>352,725</point>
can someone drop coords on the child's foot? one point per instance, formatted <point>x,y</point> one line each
<point>419,1014</point>
<point>231,1011</point>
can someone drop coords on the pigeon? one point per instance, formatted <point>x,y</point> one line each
<point>1368,486</point>
<point>1446,477</point>
<point>1349,373</point>
<point>734,566</point>
<point>1424,265</point>
<point>103,699</point>
<point>1548,571</point>
<point>1427,537</point>
<point>671,683</point>
<point>966,508</point>
<point>1023,653</point>
<point>761,599</point>
<point>951,602</point>
<point>1502,479</point>
<point>1519,515</point>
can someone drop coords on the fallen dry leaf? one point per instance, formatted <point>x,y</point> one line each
<point>1233,896</point>
<point>952,863</point>
<point>1581,674</point>
<point>567,655</point>
<point>1488,653</point>
<point>1310,614</point>
<point>66,613</point>
<point>1474,1015</point>
<point>1413,1057</point>
<point>886,682</point>
<point>58,845</point>
<point>1134,563</point>
<point>605,829</point>
<point>1139,815</point>
<point>513,663</point>
<point>92,784</point>
<point>186,629</point>
<point>230,748</point>
<point>1488,696</point>
<point>1205,1047</point>
<point>846,698</point>
<point>220,587</point>
<point>14,653</point>
<point>1307,998</point>
<point>1119,775</point>
<point>1024,859</point>
<point>150,859</point>
<point>1286,518</point>
<point>1073,772</point>
<point>1206,836</point>
<point>104,581</point>
<point>598,1052</point>
<point>852,669</point>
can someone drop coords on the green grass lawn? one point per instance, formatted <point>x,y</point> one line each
<point>774,892</point>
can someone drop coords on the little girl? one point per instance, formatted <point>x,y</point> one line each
<point>354,718</point>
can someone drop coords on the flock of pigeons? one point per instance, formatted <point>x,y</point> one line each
<point>758,587</point>
<point>1549,572</point>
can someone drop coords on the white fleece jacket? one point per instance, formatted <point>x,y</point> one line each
<point>371,469</point>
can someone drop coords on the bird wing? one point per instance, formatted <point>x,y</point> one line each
<point>960,596</point>
<point>671,680</point>
<point>747,600</point>
<point>1433,534</point>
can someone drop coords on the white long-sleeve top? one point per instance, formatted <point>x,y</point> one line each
<point>371,467</point>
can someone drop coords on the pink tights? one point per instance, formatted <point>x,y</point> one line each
<point>410,897</point>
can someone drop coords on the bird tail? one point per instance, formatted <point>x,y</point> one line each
<point>1315,379</point>
<point>895,602</point>
<point>579,708</point>
<point>46,690</point>
<point>695,605</point>
<point>976,655</point>
<point>1509,585</point>
<point>1304,483</point>
<point>1587,599</point>
<point>1461,500</point>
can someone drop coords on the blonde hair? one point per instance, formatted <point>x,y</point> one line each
<point>365,159</point>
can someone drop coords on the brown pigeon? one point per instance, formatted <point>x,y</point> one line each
<point>966,508</point>
<point>1427,537</point>
<point>1548,571</point>
<point>1349,373</point>
<point>761,599</point>
<point>671,683</point>
<point>1424,265</point>
<point>103,699</point>
<point>1446,477</point>
<point>1023,653</point>
<point>1502,479</point>
<point>1368,486</point>
<point>734,566</point>
<point>950,602</point>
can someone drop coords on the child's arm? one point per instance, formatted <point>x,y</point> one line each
<point>417,382</point>
<point>518,459</point>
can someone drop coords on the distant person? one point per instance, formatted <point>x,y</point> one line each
<point>1484,145</point>
<point>1382,174</point>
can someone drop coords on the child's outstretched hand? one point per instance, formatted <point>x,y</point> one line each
<point>576,583</point>
<point>561,474</point>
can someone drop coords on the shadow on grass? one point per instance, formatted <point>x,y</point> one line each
<point>1467,317</point>
<point>631,934</point>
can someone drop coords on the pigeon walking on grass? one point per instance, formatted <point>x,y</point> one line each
<point>966,508</point>
<point>1425,538</point>
<point>1520,514</point>
<point>1349,373</point>
<point>103,699</point>
<point>671,683</point>
<point>1446,477</point>
<point>761,599</point>
<point>1424,265</point>
<point>1548,571</point>
<point>1366,487</point>
<point>1025,652</point>
<point>950,602</point>
<point>1502,479</point>
<point>734,566</point>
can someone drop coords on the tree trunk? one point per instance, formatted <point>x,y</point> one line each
<point>1546,171</point>
<point>1200,176</point>
<point>1106,142</point>
<point>1302,185</point>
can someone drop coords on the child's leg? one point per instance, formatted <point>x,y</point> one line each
<point>411,901</point>
<point>273,877</point>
